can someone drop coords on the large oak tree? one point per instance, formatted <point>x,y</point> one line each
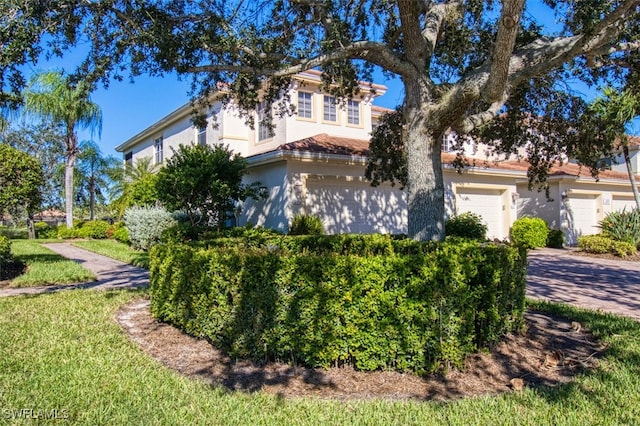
<point>462,63</point>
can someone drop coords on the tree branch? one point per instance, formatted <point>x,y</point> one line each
<point>503,48</point>
<point>477,120</point>
<point>373,52</point>
<point>433,22</point>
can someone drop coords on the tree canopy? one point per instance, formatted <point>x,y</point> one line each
<point>205,182</point>
<point>20,181</point>
<point>462,63</point>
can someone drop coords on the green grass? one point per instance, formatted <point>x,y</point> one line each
<point>44,267</point>
<point>65,352</point>
<point>116,250</point>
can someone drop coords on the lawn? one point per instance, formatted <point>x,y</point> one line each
<point>63,354</point>
<point>116,250</point>
<point>44,267</point>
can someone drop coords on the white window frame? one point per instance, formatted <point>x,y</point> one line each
<point>264,132</point>
<point>201,135</point>
<point>353,113</point>
<point>158,146</point>
<point>305,105</point>
<point>330,109</point>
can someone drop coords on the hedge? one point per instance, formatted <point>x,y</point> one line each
<point>407,311</point>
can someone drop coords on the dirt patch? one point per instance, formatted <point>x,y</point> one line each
<point>608,256</point>
<point>551,351</point>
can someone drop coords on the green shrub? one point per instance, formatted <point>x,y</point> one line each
<point>622,226</point>
<point>96,229</point>
<point>555,238</point>
<point>529,232</point>
<point>600,244</point>
<point>44,230</point>
<point>146,225</point>
<point>121,234</point>
<point>14,233</point>
<point>65,233</point>
<point>421,311</point>
<point>466,225</point>
<point>5,251</point>
<point>306,225</point>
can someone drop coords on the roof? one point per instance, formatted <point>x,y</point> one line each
<point>334,145</point>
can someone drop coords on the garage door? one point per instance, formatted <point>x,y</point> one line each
<point>483,202</point>
<point>582,215</point>
<point>623,203</point>
<point>356,207</point>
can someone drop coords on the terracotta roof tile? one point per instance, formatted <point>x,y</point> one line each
<point>324,143</point>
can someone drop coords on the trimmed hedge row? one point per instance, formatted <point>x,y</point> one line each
<point>422,310</point>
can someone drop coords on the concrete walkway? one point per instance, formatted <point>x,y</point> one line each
<point>111,274</point>
<point>554,275</point>
<point>600,284</point>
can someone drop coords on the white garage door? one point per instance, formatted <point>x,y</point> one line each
<point>582,215</point>
<point>483,202</point>
<point>356,207</point>
<point>623,203</point>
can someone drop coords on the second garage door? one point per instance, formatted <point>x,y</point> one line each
<point>486,203</point>
<point>582,215</point>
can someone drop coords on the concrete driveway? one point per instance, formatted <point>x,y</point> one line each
<point>607,285</point>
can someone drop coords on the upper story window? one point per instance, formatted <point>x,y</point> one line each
<point>158,145</point>
<point>265,130</point>
<point>448,143</point>
<point>305,105</point>
<point>330,109</point>
<point>201,135</point>
<point>353,113</point>
<point>128,158</point>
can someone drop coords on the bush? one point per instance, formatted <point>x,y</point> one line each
<point>555,238</point>
<point>421,308</point>
<point>306,225</point>
<point>65,233</point>
<point>96,229</point>
<point>600,244</point>
<point>5,253</point>
<point>466,225</point>
<point>622,226</point>
<point>146,225</point>
<point>14,233</point>
<point>44,230</point>
<point>529,232</point>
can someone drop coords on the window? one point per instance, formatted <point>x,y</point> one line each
<point>128,158</point>
<point>448,143</point>
<point>264,123</point>
<point>305,105</point>
<point>201,136</point>
<point>158,145</point>
<point>353,113</point>
<point>330,109</point>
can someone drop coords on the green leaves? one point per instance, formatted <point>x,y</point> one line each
<point>20,180</point>
<point>205,182</point>
<point>361,303</point>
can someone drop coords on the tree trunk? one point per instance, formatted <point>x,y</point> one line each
<point>92,197</point>
<point>425,186</point>
<point>31,229</point>
<point>68,175</point>
<point>632,177</point>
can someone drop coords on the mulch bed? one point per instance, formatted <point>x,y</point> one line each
<point>551,351</point>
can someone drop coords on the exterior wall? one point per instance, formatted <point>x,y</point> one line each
<point>274,211</point>
<point>534,203</point>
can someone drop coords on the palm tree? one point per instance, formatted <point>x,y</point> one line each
<point>94,174</point>
<point>53,96</point>
<point>612,113</point>
<point>135,184</point>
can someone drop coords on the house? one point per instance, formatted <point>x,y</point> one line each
<point>313,163</point>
